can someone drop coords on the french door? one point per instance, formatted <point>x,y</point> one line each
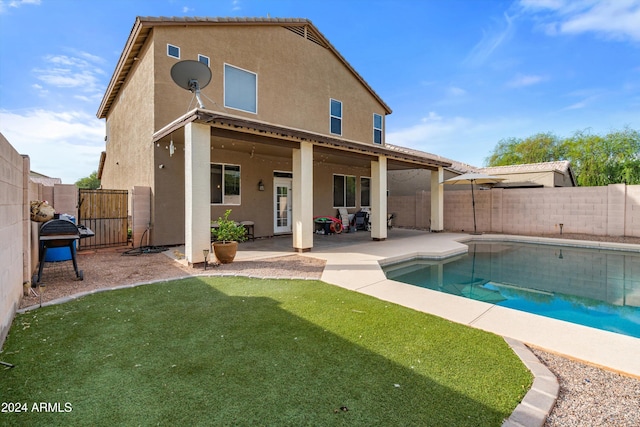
<point>282,205</point>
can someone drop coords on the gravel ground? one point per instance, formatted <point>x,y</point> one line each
<point>108,268</point>
<point>589,396</point>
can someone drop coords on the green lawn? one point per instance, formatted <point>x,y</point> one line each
<point>238,351</point>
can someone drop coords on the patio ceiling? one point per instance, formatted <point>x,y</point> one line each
<point>268,139</point>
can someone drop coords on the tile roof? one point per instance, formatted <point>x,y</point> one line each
<point>454,166</point>
<point>562,166</point>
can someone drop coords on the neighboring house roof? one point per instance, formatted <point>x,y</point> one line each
<point>563,167</point>
<point>143,26</point>
<point>39,178</point>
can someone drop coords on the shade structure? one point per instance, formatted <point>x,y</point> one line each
<point>473,178</point>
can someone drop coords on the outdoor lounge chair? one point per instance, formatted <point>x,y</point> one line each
<point>346,218</point>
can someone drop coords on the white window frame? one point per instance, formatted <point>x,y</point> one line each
<point>225,88</point>
<point>344,190</point>
<point>378,129</point>
<point>169,46</point>
<point>332,116</point>
<point>223,189</point>
<point>201,57</point>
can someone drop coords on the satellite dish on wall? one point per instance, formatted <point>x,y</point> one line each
<point>191,75</point>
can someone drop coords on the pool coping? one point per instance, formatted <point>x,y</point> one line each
<point>541,397</point>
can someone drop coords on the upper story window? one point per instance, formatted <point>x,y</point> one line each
<point>240,89</point>
<point>173,51</point>
<point>335,113</point>
<point>225,184</point>
<point>203,59</point>
<point>377,129</point>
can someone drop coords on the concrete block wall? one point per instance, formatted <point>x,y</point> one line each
<point>632,211</point>
<point>405,209</point>
<point>13,225</point>
<point>65,199</point>
<point>613,210</point>
<point>458,210</point>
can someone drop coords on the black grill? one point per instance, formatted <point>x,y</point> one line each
<point>59,233</point>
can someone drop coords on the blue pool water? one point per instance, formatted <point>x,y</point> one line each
<point>591,287</point>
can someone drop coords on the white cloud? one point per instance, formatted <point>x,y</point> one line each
<point>63,145</point>
<point>491,40</point>
<point>525,80</point>
<point>78,72</point>
<point>429,129</point>
<point>5,5</point>
<point>613,19</point>
<point>457,91</point>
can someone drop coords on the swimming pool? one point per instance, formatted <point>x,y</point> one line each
<point>592,287</point>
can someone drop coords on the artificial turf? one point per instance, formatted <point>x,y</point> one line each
<point>239,351</point>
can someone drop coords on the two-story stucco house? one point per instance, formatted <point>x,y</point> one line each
<point>288,131</point>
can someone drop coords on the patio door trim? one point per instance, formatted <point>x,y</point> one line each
<point>282,223</point>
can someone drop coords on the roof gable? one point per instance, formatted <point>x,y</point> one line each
<point>143,26</point>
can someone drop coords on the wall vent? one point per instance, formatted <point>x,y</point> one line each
<point>307,33</point>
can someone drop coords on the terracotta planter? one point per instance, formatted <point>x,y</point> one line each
<point>225,252</point>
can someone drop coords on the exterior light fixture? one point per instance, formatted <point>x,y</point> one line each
<point>205,252</point>
<point>260,186</point>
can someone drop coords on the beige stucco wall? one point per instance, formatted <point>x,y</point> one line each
<point>296,78</point>
<point>129,128</point>
<point>256,206</point>
<point>613,210</point>
<point>14,252</point>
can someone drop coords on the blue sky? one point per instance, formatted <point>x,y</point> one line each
<point>458,75</point>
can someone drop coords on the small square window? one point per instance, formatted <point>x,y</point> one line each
<point>203,59</point>
<point>173,51</point>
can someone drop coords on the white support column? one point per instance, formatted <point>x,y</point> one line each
<point>197,191</point>
<point>379,199</point>
<point>302,203</point>
<point>437,200</point>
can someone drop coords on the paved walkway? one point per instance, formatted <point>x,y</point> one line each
<point>353,262</point>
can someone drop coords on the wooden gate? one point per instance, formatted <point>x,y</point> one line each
<point>105,213</point>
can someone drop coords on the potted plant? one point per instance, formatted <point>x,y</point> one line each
<point>226,236</point>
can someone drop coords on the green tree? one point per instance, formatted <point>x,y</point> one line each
<point>601,160</point>
<point>596,160</point>
<point>541,147</point>
<point>91,182</point>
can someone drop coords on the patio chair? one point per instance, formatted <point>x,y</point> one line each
<point>346,218</point>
